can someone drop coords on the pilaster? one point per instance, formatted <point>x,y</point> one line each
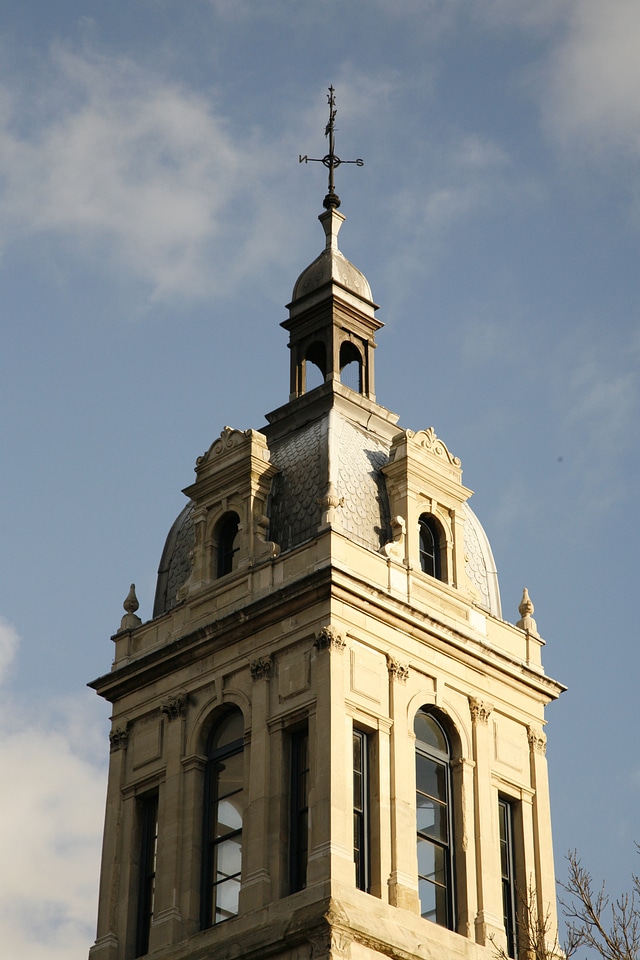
<point>488,922</point>
<point>106,946</point>
<point>256,888</point>
<point>543,845</point>
<point>166,927</point>
<point>403,882</point>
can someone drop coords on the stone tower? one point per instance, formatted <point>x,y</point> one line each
<point>326,743</point>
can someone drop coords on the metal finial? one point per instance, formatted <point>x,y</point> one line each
<point>330,160</point>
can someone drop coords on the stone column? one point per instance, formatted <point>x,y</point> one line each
<point>463,780</point>
<point>403,879</point>
<point>545,883</point>
<point>194,768</point>
<point>381,814</point>
<point>489,922</point>
<point>256,885</point>
<point>166,927</point>
<point>330,836</point>
<point>106,945</point>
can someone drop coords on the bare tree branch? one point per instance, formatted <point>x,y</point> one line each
<point>610,928</point>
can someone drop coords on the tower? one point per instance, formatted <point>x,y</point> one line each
<point>326,743</point>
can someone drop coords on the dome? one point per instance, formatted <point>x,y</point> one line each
<point>480,566</point>
<point>329,450</point>
<point>175,563</point>
<point>331,265</point>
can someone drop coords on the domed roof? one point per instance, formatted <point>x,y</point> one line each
<point>331,265</point>
<point>329,449</point>
<point>481,567</point>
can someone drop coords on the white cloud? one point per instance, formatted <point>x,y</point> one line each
<point>8,646</point>
<point>52,800</point>
<point>593,84</point>
<point>134,171</point>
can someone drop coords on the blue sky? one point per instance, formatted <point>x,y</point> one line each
<point>153,220</point>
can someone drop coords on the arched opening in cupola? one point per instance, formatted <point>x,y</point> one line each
<point>351,366</point>
<point>315,366</point>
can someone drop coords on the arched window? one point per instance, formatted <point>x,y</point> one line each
<point>430,546</point>
<point>226,533</point>
<point>351,366</point>
<point>434,820</point>
<point>224,806</point>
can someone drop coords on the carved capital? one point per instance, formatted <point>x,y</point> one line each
<point>119,738</point>
<point>175,706</point>
<point>480,710</point>
<point>397,671</point>
<point>537,740</point>
<point>262,669</point>
<point>330,945</point>
<point>329,639</point>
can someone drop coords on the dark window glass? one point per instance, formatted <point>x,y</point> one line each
<point>299,817</point>
<point>226,534</point>
<point>224,807</point>
<point>429,546</point>
<point>433,821</point>
<point>507,859</point>
<point>148,814</point>
<point>361,844</point>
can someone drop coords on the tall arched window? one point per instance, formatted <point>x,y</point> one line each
<point>430,546</point>
<point>434,820</point>
<point>226,533</point>
<point>224,806</point>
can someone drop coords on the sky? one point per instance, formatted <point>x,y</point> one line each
<point>153,220</point>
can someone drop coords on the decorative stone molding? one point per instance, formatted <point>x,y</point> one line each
<point>329,639</point>
<point>329,503</point>
<point>130,621</point>
<point>395,548</point>
<point>526,622</point>
<point>175,707</point>
<point>264,549</point>
<point>397,671</point>
<point>330,945</point>
<point>480,710</point>
<point>262,669</point>
<point>228,439</point>
<point>119,738</point>
<point>429,440</point>
<point>537,740</point>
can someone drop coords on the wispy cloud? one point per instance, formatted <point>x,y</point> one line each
<point>134,171</point>
<point>591,91</point>
<point>52,801</point>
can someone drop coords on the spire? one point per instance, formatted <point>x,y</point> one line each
<point>330,160</point>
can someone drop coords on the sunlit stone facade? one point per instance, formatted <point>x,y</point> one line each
<point>327,743</point>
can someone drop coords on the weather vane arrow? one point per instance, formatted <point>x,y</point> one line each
<point>331,161</point>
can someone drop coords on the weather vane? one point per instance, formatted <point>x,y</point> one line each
<point>331,161</point>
